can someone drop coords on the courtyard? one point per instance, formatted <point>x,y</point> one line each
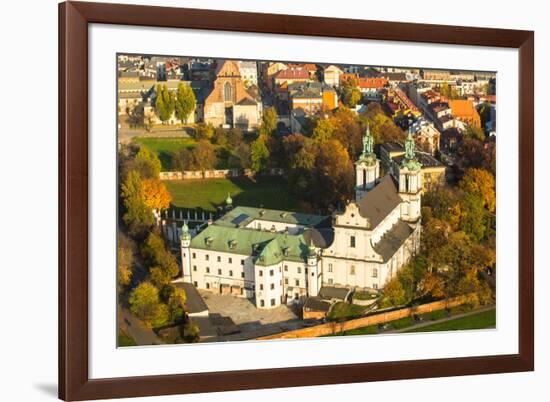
<point>251,322</point>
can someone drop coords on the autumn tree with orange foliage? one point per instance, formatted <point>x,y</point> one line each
<point>155,195</point>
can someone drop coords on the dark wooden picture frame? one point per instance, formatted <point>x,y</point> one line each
<point>74,381</point>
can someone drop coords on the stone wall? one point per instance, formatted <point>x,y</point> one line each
<point>331,328</point>
<point>216,174</point>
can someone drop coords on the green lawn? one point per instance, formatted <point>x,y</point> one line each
<point>342,310</point>
<point>485,319</point>
<point>164,147</point>
<point>207,194</point>
<point>125,340</point>
<point>435,315</point>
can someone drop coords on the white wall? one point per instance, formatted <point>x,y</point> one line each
<point>29,335</point>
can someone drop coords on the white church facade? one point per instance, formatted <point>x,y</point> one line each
<point>275,257</point>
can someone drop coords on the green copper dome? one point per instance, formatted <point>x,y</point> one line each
<point>185,235</point>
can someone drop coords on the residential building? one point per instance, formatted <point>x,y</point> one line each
<point>331,75</point>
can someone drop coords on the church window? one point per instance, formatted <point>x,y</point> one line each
<point>261,287</point>
<point>272,302</point>
<point>207,257</point>
<point>242,262</point>
<point>375,286</point>
<point>271,272</point>
<point>230,260</point>
<point>242,274</point>
<point>207,270</point>
<point>262,303</point>
<point>352,270</point>
<point>352,241</point>
<point>219,259</point>
<point>230,273</point>
<point>195,268</point>
<point>261,273</point>
<point>330,281</point>
<point>227,92</point>
<point>286,281</point>
<point>219,271</point>
<point>272,286</point>
<point>207,285</point>
<point>329,267</point>
<point>299,270</point>
<point>375,272</point>
<point>194,255</point>
<point>297,282</point>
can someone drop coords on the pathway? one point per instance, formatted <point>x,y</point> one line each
<point>135,328</point>
<point>450,318</point>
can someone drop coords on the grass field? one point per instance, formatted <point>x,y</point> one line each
<point>346,310</point>
<point>481,320</point>
<point>269,192</point>
<point>164,147</point>
<point>485,319</point>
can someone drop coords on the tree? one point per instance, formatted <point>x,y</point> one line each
<point>323,131</point>
<point>481,183</point>
<point>155,195</point>
<point>204,156</point>
<point>204,131</point>
<point>165,103</point>
<point>125,261</point>
<point>185,102</point>
<point>234,137</point>
<point>269,121</point>
<point>473,222</point>
<point>349,92</point>
<point>432,285</point>
<point>348,131</point>
<point>147,163</point>
<point>191,332</point>
<point>138,216</point>
<point>393,294</point>
<point>259,154</point>
<point>155,254</point>
<point>333,179</point>
<point>176,303</point>
<point>475,133</point>
<point>145,304</point>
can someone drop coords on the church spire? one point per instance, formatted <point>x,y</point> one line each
<point>368,155</point>
<point>410,161</point>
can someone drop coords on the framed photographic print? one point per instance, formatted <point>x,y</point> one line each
<point>260,200</point>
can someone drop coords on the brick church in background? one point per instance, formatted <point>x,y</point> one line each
<point>230,104</point>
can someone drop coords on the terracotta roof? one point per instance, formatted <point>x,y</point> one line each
<point>372,83</point>
<point>379,202</point>
<point>462,107</point>
<point>292,74</point>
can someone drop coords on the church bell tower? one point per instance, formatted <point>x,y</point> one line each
<point>410,182</point>
<point>367,167</point>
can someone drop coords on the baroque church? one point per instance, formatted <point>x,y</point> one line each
<point>229,103</point>
<point>275,257</point>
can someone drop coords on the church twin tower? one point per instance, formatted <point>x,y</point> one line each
<point>407,174</point>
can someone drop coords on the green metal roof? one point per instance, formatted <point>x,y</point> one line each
<point>242,216</point>
<point>269,248</point>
